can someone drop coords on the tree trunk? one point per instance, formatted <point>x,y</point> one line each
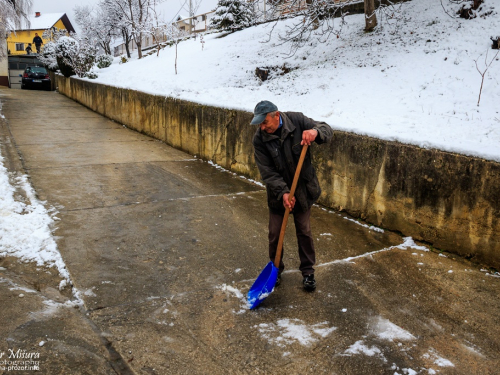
<point>126,40</point>
<point>370,16</point>
<point>127,48</point>
<point>138,42</point>
<point>315,21</point>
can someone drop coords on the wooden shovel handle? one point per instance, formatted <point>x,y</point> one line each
<point>279,249</point>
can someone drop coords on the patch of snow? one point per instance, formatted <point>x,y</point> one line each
<point>263,296</point>
<point>289,331</point>
<point>409,243</point>
<point>359,347</point>
<point>386,330</point>
<point>245,305</point>
<point>443,362</point>
<point>437,359</point>
<point>90,292</point>
<point>473,350</point>
<point>25,228</point>
<point>370,227</point>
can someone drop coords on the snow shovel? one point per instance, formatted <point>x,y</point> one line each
<point>264,285</point>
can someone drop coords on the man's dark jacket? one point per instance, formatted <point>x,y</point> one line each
<point>277,160</point>
<point>37,40</point>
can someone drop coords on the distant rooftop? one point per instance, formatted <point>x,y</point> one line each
<point>45,21</point>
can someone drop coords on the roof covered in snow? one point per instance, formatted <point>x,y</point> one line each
<point>46,20</point>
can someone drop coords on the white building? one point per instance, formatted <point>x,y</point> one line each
<point>196,24</point>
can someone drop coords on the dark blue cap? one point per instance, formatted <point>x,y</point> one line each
<point>261,110</point>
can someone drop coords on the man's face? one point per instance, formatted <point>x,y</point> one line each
<point>270,124</point>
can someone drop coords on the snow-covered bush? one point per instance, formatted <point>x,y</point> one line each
<point>123,59</point>
<point>66,48</point>
<point>75,56</point>
<point>231,15</point>
<point>85,58</point>
<point>103,61</point>
<point>48,56</point>
<point>91,75</point>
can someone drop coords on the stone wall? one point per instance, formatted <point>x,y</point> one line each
<point>448,200</point>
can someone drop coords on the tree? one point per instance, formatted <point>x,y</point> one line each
<point>12,15</point>
<point>48,56</point>
<point>317,17</point>
<point>157,28</point>
<point>73,55</point>
<point>97,25</point>
<point>176,35</point>
<point>131,16</point>
<point>310,17</point>
<point>231,15</point>
<point>66,49</point>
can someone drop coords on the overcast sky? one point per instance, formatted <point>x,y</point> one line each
<point>168,8</point>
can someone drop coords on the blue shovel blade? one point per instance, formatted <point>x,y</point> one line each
<point>263,286</point>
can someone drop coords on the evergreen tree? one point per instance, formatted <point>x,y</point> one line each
<point>231,15</point>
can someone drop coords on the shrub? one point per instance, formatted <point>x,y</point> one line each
<point>66,49</point>
<point>91,75</point>
<point>103,61</point>
<point>48,56</point>
<point>75,56</point>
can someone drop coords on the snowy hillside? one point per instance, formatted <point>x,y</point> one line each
<point>413,80</point>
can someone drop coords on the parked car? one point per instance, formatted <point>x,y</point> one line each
<point>35,77</point>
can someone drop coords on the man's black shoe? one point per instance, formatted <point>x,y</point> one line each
<point>309,283</point>
<point>278,280</point>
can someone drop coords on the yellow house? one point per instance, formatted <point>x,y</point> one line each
<point>18,42</point>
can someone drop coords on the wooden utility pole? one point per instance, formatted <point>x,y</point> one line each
<point>190,17</point>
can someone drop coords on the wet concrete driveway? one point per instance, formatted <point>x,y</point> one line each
<point>163,247</point>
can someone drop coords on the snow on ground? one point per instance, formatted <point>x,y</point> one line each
<point>386,330</point>
<point>289,331</point>
<point>25,227</point>
<point>437,359</point>
<point>359,347</point>
<point>413,80</point>
<point>245,305</point>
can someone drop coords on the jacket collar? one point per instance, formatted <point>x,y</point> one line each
<point>288,127</point>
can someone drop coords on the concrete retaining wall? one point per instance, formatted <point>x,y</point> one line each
<point>449,200</point>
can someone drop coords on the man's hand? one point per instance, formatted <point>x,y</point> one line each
<point>286,201</point>
<point>308,136</point>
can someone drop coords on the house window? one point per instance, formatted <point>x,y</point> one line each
<point>19,46</point>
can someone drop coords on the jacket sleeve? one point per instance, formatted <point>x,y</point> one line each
<point>325,131</point>
<point>270,175</point>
